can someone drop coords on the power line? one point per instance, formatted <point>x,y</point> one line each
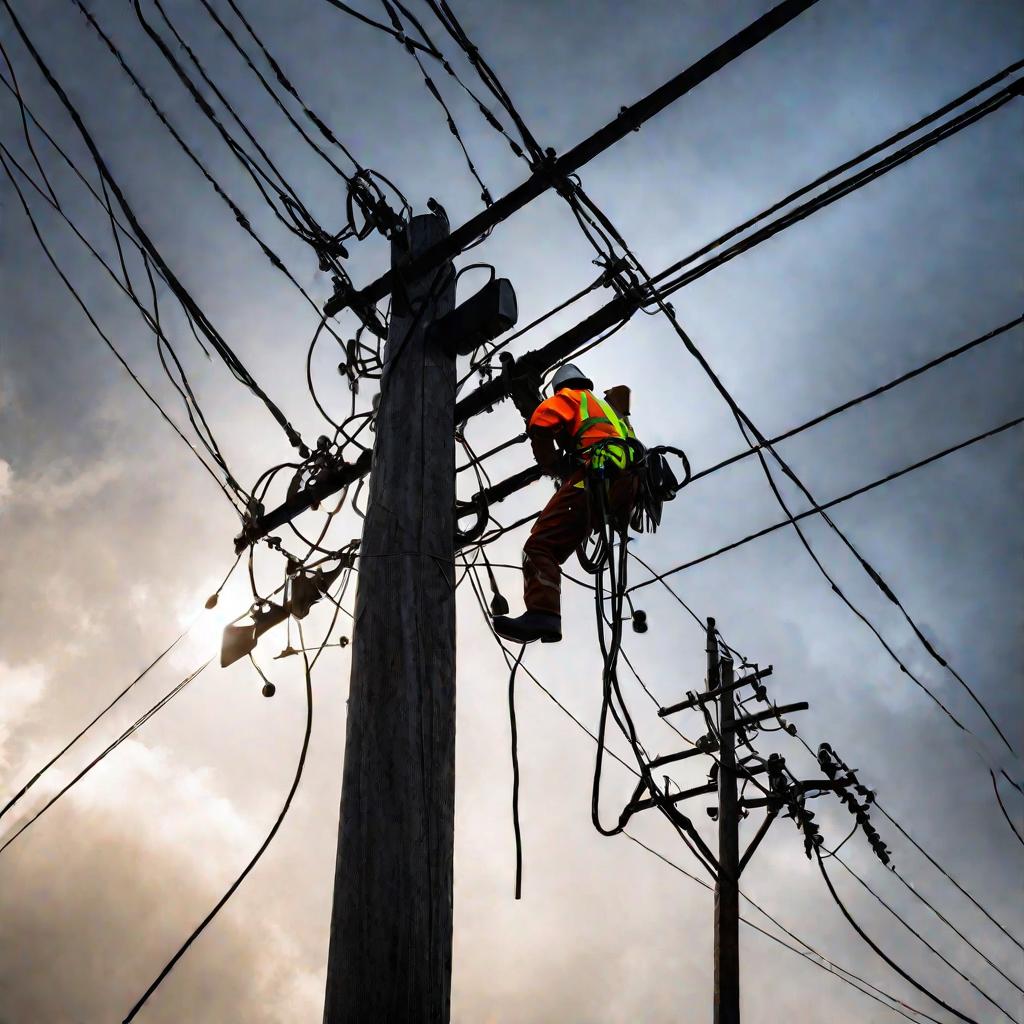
<point>1002,807</point>
<point>192,407</point>
<point>131,730</point>
<point>401,37</point>
<point>833,502</point>
<point>4,157</point>
<point>240,50</point>
<point>866,396</point>
<point>845,166</point>
<point>831,966</point>
<point>896,967</point>
<point>74,739</point>
<point>219,344</point>
<point>913,931</point>
<point>824,962</point>
<point>938,867</point>
<point>296,779</point>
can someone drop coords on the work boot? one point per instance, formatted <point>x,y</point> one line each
<point>543,626</point>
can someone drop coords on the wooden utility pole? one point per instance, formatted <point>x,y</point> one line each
<point>727,909</point>
<point>390,951</point>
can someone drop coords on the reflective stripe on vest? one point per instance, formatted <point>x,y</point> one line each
<point>618,455</point>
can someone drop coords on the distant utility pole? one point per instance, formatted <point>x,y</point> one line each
<point>390,951</point>
<point>780,788</point>
<point>727,896</point>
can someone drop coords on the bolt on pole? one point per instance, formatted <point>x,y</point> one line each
<point>390,950</point>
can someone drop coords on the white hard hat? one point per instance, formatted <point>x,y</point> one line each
<point>568,374</point>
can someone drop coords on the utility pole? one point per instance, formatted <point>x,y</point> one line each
<point>390,951</point>
<point>727,908</point>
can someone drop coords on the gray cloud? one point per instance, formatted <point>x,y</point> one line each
<point>114,536</point>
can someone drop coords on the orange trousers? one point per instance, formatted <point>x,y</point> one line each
<point>567,521</point>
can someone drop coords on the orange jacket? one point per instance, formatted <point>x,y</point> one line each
<point>561,418</point>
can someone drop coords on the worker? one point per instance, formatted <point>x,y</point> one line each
<point>564,431</point>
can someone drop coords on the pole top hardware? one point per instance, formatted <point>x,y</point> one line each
<point>481,318</point>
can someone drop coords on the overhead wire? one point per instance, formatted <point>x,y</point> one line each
<point>453,128</point>
<point>846,165</point>
<point>217,342</point>
<point>126,734</point>
<point>880,953</point>
<point>574,194</point>
<point>254,860</point>
<point>193,410</point>
<point>285,82</point>
<point>924,941</point>
<point>1002,807</point>
<point>231,497</point>
<point>827,964</point>
<point>866,396</point>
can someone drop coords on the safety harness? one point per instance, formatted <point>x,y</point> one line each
<point>605,450</point>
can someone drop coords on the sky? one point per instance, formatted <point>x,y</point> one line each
<point>114,535</point>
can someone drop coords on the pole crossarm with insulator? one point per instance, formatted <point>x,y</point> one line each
<point>556,170</point>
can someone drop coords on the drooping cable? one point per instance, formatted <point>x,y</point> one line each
<point>514,735</point>
<point>231,497</point>
<point>296,779</point>
<point>896,967</point>
<point>181,385</point>
<point>207,328</point>
<point>1002,807</point>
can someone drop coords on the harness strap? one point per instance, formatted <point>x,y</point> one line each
<point>619,456</point>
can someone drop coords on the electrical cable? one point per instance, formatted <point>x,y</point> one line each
<point>899,970</point>
<point>938,867</point>
<point>216,341</point>
<point>131,730</point>
<point>152,320</point>
<point>845,166</point>
<point>198,930</point>
<point>867,395</point>
<point>659,577</point>
<point>74,739</point>
<point>287,85</point>
<point>515,771</point>
<point>240,50</point>
<point>242,220</point>
<point>913,931</point>
<point>359,16</point>
<point>485,192</point>
<point>4,154</point>
<point>309,231</point>
<point>827,965</point>
<point>1002,807</point>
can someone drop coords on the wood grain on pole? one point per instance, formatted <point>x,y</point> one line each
<point>391,926</point>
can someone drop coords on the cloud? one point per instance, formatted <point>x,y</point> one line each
<point>114,878</point>
<point>22,687</point>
